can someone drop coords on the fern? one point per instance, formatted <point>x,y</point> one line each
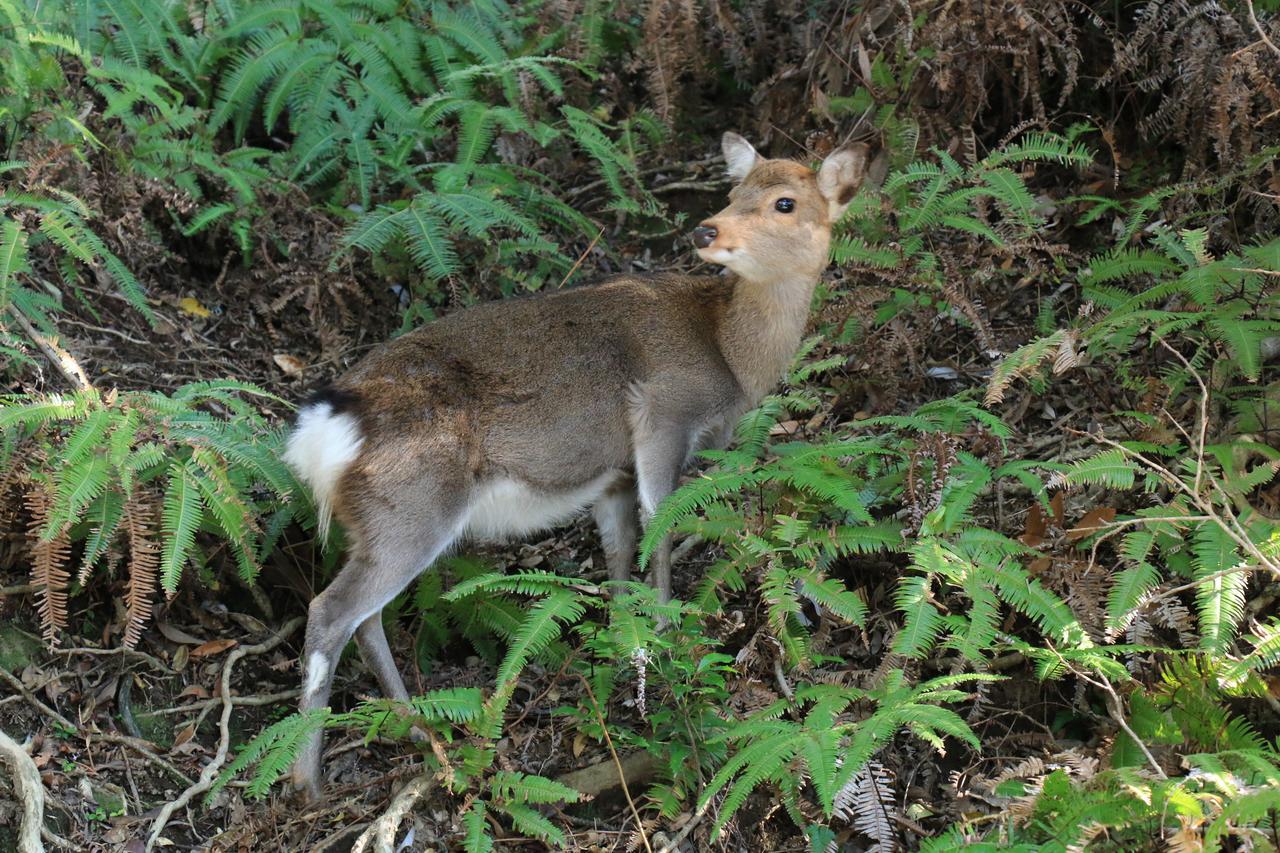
<point>1220,593</point>
<point>104,471</point>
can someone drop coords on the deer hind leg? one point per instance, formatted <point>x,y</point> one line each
<point>616,519</point>
<point>372,640</point>
<point>372,577</point>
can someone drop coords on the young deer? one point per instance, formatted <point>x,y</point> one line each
<point>511,417</point>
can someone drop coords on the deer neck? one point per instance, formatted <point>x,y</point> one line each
<point>762,327</point>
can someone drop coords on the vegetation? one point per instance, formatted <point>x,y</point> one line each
<point>996,568</point>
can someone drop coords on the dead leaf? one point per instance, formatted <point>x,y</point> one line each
<point>180,658</point>
<point>192,306</point>
<point>784,428</point>
<point>1039,566</point>
<point>185,735</point>
<point>1033,536</point>
<point>194,691</point>
<point>1093,521</point>
<point>290,364</point>
<point>177,635</point>
<point>252,624</point>
<point>1056,507</point>
<point>213,647</point>
<point>579,744</point>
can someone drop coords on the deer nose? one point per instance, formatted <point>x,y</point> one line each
<point>704,236</point>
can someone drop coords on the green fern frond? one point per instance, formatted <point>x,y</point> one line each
<point>180,519</point>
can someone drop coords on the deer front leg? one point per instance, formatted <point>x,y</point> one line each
<point>619,526</point>
<point>659,460</point>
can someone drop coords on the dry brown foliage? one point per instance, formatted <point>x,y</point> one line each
<point>49,564</point>
<point>144,567</point>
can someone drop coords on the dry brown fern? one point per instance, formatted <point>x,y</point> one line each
<point>49,558</point>
<point>672,48</point>
<point>1213,79</point>
<point>144,567</point>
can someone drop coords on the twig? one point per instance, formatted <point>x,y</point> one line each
<point>267,699</point>
<point>652,170</point>
<point>30,793</point>
<point>224,743</point>
<point>573,269</point>
<point>64,361</point>
<point>686,547</point>
<point>690,825</point>
<point>708,186</point>
<point>781,678</point>
<point>1253,19</point>
<point>1114,710</point>
<point>622,776</point>
<point>382,832</point>
<point>141,747</point>
<point>121,652</point>
<point>20,589</point>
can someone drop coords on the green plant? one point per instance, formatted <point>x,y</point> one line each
<point>147,473</point>
<point>1229,789</point>
<point>43,217</point>
<point>832,748</point>
<point>1174,288</point>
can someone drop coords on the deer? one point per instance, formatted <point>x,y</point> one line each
<point>508,418</point>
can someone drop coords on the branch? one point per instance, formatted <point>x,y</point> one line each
<point>1253,19</point>
<point>30,793</point>
<point>64,361</point>
<point>622,775</point>
<point>224,744</point>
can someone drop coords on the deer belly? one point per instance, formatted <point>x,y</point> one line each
<point>507,509</point>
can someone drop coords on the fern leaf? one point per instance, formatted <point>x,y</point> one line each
<point>511,787</point>
<point>180,519</point>
<point>538,630</point>
<point>1219,600</point>
<point>532,823</point>
<point>476,838</point>
<point>103,518</point>
<point>921,620</point>
<point>427,240</point>
<point>1130,586</point>
<point>1109,468</point>
<point>49,557</point>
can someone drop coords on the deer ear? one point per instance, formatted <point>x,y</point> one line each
<point>739,155</point>
<point>840,176</point>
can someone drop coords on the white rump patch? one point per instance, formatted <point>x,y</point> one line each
<point>506,508</point>
<point>320,448</point>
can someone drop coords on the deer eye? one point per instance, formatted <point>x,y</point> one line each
<point>784,205</point>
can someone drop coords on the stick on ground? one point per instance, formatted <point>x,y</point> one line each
<point>382,832</point>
